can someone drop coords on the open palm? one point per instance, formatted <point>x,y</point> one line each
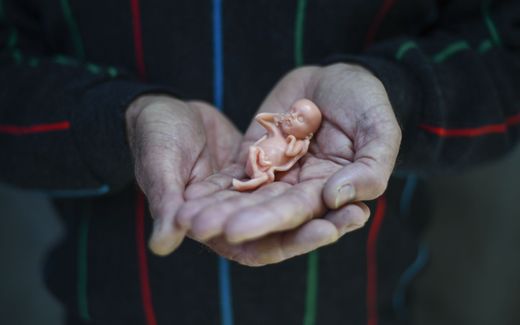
<point>350,160</point>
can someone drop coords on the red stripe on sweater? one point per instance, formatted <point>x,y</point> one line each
<point>138,37</point>
<point>378,20</point>
<point>513,120</point>
<point>371,251</point>
<point>473,132</point>
<point>146,292</point>
<point>32,129</point>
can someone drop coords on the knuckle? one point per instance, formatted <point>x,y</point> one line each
<point>185,215</point>
<point>377,177</point>
<point>379,185</point>
<point>245,258</point>
<point>202,105</point>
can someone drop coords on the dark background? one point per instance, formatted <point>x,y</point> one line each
<point>473,276</point>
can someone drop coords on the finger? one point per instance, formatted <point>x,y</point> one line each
<point>279,247</point>
<point>165,192</point>
<point>367,176</point>
<point>276,248</point>
<point>349,218</point>
<point>210,221</point>
<point>358,181</point>
<point>312,235</point>
<point>214,183</point>
<point>300,203</point>
<point>192,207</point>
<point>166,236</point>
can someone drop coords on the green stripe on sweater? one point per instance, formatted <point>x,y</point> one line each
<point>298,32</point>
<point>485,46</point>
<point>450,50</point>
<point>73,29</point>
<point>493,31</point>
<point>311,297</point>
<point>404,48</point>
<point>12,38</point>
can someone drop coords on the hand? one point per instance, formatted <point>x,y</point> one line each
<point>175,143</point>
<point>350,160</point>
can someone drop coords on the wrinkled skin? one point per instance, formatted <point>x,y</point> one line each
<point>320,199</point>
<point>175,143</point>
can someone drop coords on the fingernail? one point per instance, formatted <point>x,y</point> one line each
<point>349,228</point>
<point>345,194</point>
<point>163,241</point>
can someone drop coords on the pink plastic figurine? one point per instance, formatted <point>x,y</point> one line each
<point>287,140</point>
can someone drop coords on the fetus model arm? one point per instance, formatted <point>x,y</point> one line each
<point>294,147</point>
<point>268,121</point>
<point>287,140</point>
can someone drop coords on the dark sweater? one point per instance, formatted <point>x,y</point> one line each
<point>70,68</point>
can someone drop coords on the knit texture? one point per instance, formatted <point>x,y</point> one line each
<point>68,70</point>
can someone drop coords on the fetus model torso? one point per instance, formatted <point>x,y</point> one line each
<point>287,140</point>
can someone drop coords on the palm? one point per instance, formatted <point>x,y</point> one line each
<point>282,219</point>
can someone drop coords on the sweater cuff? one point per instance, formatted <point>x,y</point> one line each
<point>99,129</point>
<point>401,86</point>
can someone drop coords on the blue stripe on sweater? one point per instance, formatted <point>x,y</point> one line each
<point>405,204</point>
<point>399,299</point>
<point>226,305</point>
<point>76,193</point>
<point>218,66</point>
<point>406,197</point>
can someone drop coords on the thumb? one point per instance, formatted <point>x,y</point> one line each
<point>167,197</point>
<point>163,184</point>
<point>357,181</point>
<point>166,235</point>
<point>366,178</point>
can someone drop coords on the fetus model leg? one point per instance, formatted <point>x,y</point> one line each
<point>258,168</point>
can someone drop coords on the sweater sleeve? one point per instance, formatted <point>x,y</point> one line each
<point>456,88</point>
<point>61,119</point>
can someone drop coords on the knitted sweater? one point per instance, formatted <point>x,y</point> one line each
<point>68,69</point>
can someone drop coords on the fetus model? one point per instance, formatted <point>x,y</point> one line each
<point>287,140</point>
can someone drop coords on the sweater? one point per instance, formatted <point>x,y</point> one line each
<point>68,70</point>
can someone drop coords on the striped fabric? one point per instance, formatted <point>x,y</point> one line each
<point>401,52</point>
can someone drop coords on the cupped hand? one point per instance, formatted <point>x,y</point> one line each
<point>320,199</point>
<point>175,143</point>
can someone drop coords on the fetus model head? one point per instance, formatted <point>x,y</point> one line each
<point>302,120</point>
